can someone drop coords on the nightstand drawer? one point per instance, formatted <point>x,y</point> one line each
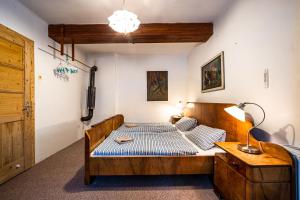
<point>242,176</point>
<point>236,164</point>
<point>269,174</point>
<point>228,183</point>
<point>220,178</point>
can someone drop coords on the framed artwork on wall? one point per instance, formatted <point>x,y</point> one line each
<point>212,74</point>
<point>157,85</point>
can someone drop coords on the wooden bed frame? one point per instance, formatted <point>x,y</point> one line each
<point>210,114</point>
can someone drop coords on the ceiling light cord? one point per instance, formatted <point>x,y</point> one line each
<point>124,4</point>
<point>125,33</point>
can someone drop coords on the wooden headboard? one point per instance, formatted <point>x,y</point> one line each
<point>213,115</point>
<point>98,132</point>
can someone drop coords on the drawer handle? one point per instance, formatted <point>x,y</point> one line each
<point>18,166</point>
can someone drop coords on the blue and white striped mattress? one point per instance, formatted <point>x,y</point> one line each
<point>151,144</point>
<point>149,127</point>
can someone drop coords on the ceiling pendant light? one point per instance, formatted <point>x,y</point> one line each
<point>123,21</point>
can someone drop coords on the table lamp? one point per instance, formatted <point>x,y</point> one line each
<point>239,113</point>
<point>180,106</point>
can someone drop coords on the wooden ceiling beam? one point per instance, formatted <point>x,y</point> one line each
<point>147,33</point>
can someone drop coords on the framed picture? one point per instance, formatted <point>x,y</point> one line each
<point>157,85</point>
<point>212,74</point>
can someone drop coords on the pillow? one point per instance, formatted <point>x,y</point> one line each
<point>186,124</point>
<point>205,137</point>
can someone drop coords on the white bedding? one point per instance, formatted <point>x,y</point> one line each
<point>200,152</point>
<point>148,127</point>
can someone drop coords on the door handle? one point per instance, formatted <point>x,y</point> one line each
<point>27,108</point>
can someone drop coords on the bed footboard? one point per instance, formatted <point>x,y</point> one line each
<point>95,135</point>
<point>151,165</point>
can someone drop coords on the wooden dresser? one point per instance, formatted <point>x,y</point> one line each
<point>242,176</point>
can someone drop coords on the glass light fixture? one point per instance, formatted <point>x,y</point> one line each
<point>180,106</point>
<point>123,21</point>
<point>190,105</point>
<point>239,113</point>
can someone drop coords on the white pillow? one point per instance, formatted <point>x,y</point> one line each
<point>186,123</point>
<point>205,137</point>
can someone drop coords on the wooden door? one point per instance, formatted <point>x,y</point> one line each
<point>16,104</point>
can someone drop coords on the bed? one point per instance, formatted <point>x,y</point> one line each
<point>187,162</point>
<point>150,144</point>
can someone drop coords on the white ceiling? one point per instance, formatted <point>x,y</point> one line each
<point>138,48</point>
<point>148,11</point>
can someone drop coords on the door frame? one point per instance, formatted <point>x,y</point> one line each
<point>29,119</point>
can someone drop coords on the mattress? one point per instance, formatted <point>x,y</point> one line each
<point>151,144</point>
<point>146,143</point>
<point>149,127</point>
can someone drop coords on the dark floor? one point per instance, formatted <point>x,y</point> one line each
<point>61,177</point>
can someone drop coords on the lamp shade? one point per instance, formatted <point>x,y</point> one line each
<point>124,21</point>
<point>190,105</point>
<point>236,112</point>
<point>180,107</point>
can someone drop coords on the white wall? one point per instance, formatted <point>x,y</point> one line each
<point>255,35</point>
<point>122,86</point>
<point>58,103</point>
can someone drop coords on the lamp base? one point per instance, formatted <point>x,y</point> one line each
<point>248,149</point>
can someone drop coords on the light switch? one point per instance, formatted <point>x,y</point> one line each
<point>266,78</point>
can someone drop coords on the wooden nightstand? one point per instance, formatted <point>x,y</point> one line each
<point>175,118</point>
<point>241,176</point>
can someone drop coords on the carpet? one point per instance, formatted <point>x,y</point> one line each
<point>61,177</point>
